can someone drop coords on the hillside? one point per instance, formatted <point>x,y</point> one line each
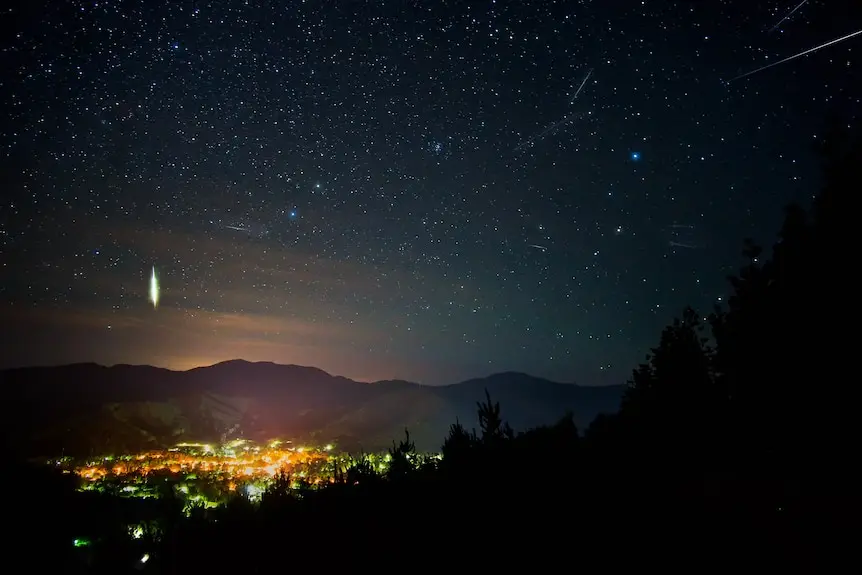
<point>89,408</point>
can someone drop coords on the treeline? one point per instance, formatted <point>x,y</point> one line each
<point>735,440</point>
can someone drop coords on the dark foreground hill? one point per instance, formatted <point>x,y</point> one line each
<point>89,408</point>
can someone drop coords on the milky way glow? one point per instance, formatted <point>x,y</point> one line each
<point>154,289</point>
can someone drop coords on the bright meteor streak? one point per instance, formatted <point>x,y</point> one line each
<point>154,289</point>
<point>795,56</point>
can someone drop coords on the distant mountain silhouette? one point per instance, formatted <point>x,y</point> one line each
<point>88,408</point>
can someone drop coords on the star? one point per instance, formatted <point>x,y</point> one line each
<point>390,197</point>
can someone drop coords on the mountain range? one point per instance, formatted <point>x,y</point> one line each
<point>86,408</point>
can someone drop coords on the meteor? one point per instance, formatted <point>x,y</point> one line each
<point>682,245</point>
<point>549,129</point>
<point>791,13</point>
<point>581,87</point>
<point>795,56</point>
<point>154,289</point>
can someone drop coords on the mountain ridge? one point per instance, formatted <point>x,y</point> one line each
<point>87,407</point>
<point>244,362</point>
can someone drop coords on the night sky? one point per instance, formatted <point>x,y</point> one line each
<point>397,189</point>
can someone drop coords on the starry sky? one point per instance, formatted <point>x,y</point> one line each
<point>422,190</point>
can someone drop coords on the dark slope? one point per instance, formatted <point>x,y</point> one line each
<point>85,408</point>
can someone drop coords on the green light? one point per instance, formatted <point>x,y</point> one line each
<point>81,543</point>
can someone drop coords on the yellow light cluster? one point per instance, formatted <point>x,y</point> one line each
<point>247,464</point>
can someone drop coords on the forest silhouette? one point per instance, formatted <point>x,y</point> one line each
<point>733,444</point>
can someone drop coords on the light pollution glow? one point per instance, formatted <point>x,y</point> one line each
<point>289,308</point>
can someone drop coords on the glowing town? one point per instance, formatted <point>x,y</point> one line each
<point>206,475</point>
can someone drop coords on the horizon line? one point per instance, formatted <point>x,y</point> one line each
<point>240,360</point>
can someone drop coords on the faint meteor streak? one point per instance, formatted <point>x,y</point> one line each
<point>795,56</point>
<point>789,14</point>
<point>581,87</point>
<point>548,130</point>
<point>237,228</point>
<point>566,119</point>
<point>682,245</point>
<point>154,289</point>
<point>554,126</point>
<point>538,247</point>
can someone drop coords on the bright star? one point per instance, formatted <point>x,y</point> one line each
<point>636,156</point>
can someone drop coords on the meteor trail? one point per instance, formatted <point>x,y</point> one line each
<point>154,289</point>
<point>548,130</point>
<point>682,245</point>
<point>566,119</point>
<point>237,228</point>
<point>789,14</point>
<point>795,56</point>
<point>555,125</point>
<point>581,87</point>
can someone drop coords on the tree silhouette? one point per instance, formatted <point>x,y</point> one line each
<point>672,408</point>
<point>402,458</point>
<point>780,358</point>
<point>559,443</point>
<point>278,494</point>
<point>361,472</point>
<point>458,448</point>
<point>494,429</point>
